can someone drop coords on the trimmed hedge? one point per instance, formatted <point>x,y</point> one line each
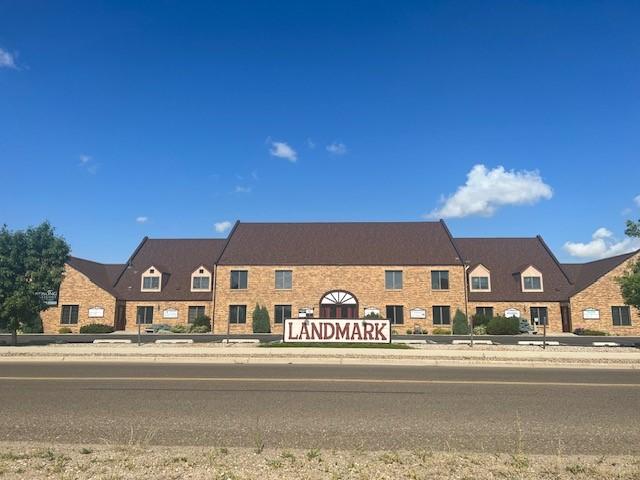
<point>588,331</point>
<point>96,328</point>
<point>503,326</point>
<point>201,321</point>
<point>479,320</point>
<point>441,331</point>
<point>64,330</point>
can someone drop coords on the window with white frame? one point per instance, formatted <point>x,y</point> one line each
<point>201,280</point>
<point>531,280</point>
<point>284,279</point>
<point>480,279</point>
<point>151,280</point>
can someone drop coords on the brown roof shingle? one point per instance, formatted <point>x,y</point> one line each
<point>361,243</point>
<point>102,274</point>
<point>584,274</point>
<point>506,258</point>
<point>177,259</point>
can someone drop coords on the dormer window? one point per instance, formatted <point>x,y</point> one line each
<point>480,279</point>
<point>201,280</point>
<point>151,280</point>
<point>531,280</point>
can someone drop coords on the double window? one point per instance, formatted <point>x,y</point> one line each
<point>150,283</point>
<point>621,316</point>
<point>284,279</point>
<point>239,279</point>
<point>395,314</point>
<point>479,283</point>
<point>393,279</point>
<point>484,312</point>
<point>532,283</point>
<point>441,315</point>
<point>539,313</point>
<point>281,313</point>
<point>144,315</point>
<point>195,312</point>
<point>440,280</point>
<point>69,315</point>
<point>200,283</point>
<point>237,314</point>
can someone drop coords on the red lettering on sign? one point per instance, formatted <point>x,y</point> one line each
<point>368,331</point>
<point>342,331</point>
<point>380,332</point>
<point>356,328</point>
<point>329,335</point>
<point>291,331</point>
<point>304,331</point>
<point>316,331</point>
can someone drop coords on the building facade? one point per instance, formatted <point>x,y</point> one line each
<point>413,273</point>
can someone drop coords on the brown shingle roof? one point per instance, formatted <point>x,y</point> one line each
<point>363,243</point>
<point>102,274</point>
<point>177,259</point>
<point>584,274</point>
<point>506,258</point>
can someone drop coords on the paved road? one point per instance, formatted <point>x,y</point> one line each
<point>439,408</point>
<point>442,339</point>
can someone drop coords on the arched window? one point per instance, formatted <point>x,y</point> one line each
<point>338,304</point>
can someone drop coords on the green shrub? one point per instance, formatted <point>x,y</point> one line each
<point>480,320</point>
<point>96,328</point>
<point>441,331</point>
<point>503,326</point>
<point>480,330</point>
<point>409,331</point>
<point>588,331</point>
<point>460,325</point>
<point>202,321</point>
<point>261,322</point>
<point>178,328</point>
<point>64,330</point>
<point>372,316</point>
<point>199,329</point>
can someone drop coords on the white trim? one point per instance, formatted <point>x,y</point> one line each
<point>338,297</point>
<point>147,274</point>
<point>478,272</point>
<point>196,273</point>
<point>531,272</point>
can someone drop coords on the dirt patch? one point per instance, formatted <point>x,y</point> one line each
<point>108,462</point>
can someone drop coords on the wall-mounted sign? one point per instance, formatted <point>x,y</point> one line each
<point>313,330</point>
<point>96,312</point>
<point>512,312</point>
<point>371,311</point>
<point>50,297</point>
<point>170,313</point>
<point>591,314</point>
<point>418,313</point>
<point>305,312</point>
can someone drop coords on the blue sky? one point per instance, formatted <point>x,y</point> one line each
<point>125,119</point>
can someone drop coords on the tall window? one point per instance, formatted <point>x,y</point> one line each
<point>150,283</point>
<point>393,279</point>
<point>69,315</point>
<point>395,314</point>
<point>484,312</point>
<point>237,314</point>
<point>442,315</point>
<point>532,283</point>
<point>200,283</point>
<point>239,279</point>
<point>541,314</point>
<point>144,315</point>
<point>621,316</point>
<point>195,312</point>
<point>281,313</point>
<point>440,280</point>
<point>479,283</point>
<point>284,279</point>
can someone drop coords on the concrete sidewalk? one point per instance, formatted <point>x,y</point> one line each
<point>559,357</point>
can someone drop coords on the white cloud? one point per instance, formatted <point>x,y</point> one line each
<point>142,219</point>
<point>637,200</point>
<point>7,60</point>
<point>283,150</point>
<point>241,189</point>
<point>487,190</point>
<point>223,226</point>
<point>603,244</point>
<point>87,162</point>
<point>337,148</point>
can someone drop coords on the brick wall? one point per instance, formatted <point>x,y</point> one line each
<point>77,289</point>
<point>182,307</point>
<point>602,295</point>
<point>310,283</point>
<point>553,311</point>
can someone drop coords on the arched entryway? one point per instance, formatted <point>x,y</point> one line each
<point>338,304</point>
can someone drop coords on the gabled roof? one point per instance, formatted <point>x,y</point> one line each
<point>506,258</point>
<point>102,274</point>
<point>584,274</point>
<point>176,259</point>
<point>362,243</point>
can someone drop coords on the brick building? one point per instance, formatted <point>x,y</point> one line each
<point>410,272</point>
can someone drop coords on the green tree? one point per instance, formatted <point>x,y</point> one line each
<point>31,262</point>
<point>261,323</point>
<point>460,324</point>
<point>630,281</point>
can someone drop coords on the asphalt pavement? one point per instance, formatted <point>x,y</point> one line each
<point>285,406</point>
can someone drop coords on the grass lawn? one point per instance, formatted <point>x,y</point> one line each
<point>391,346</point>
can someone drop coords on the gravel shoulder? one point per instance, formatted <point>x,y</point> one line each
<point>135,460</point>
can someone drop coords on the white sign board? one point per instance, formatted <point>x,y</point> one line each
<point>512,312</point>
<point>170,313</point>
<point>591,314</point>
<point>305,312</point>
<point>418,313</point>
<point>316,330</point>
<point>96,312</point>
